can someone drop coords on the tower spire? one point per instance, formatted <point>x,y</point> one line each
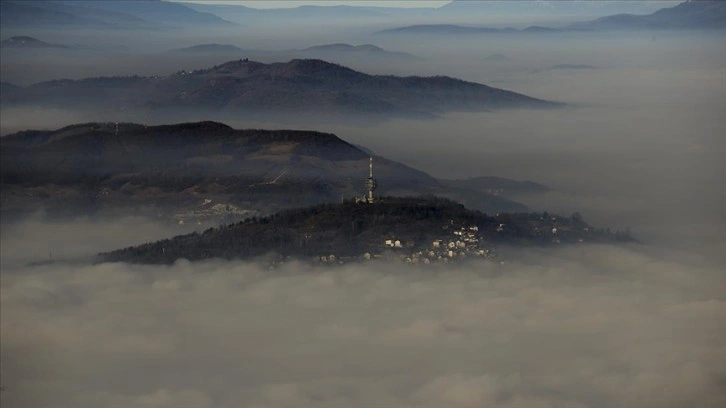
<point>371,183</point>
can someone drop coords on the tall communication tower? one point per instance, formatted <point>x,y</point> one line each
<point>371,183</point>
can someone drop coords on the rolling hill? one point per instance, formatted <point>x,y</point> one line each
<point>198,170</point>
<point>365,51</point>
<point>298,86</point>
<point>351,231</point>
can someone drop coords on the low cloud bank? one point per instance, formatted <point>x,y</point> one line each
<point>592,326</point>
<point>36,239</point>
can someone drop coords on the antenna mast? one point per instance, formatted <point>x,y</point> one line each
<point>371,183</point>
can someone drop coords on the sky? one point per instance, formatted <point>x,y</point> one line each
<point>297,3</point>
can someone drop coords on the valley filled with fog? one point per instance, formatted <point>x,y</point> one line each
<point>639,146</point>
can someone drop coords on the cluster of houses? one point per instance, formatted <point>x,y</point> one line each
<point>462,242</point>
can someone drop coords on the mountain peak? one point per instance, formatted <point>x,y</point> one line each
<point>316,68</point>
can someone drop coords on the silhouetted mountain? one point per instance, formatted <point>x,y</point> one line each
<point>692,14</point>
<point>456,11</point>
<point>103,14</point>
<point>532,8</point>
<point>351,230</point>
<point>443,29</point>
<point>248,15</point>
<point>28,42</point>
<point>210,48</point>
<point>29,14</point>
<point>175,168</point>
<point>453,29</point>
<point>244,86</point>
<point>165,12</point>
<point>366,50</point>
<point>8,91</point>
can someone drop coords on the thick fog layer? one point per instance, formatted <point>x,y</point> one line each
<point>35,240</point>
<point>591,326</point>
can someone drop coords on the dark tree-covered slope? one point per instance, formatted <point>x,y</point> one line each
<point>351,229</point>
<point>97,166</point>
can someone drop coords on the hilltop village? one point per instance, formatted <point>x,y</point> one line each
<point>456,242</point>
<point>462,242</point>
<point>416,230</point>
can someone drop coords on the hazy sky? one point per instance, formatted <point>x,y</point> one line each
<point>297,3</point>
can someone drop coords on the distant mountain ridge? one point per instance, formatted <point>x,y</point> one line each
<point>363,50</point>
<point>453,29</point>
<point>692,14</point>
<point>455,11</point>
<point>300,85</point>
<point>335,52</point>
<point>552,8</point>
<point>28,42</point>
<point>161,15</point>
<point>104,14</point>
